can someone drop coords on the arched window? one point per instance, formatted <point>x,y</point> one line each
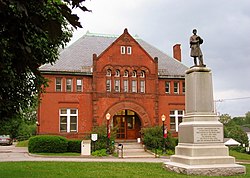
<point>134,73</point>
<point>125,73</point>
<point>117,73</point>
<point>108,73</point>
<point>142,74</point>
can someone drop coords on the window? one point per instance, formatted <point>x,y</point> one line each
<point>134,86</point>
<point>176,117</point>
<point>167,87</point>
<point>125,85</point>
<point>183,88</point>
<point>117,73</point>
<point>125,73</point>
<point>117,85</point>
<point>78,85</point>
<point>142,74</point>
<point>134,73</point>
<point>142,86</point>
<point>108,73</point>
<point>68,85</point>
<point>68,120</point>
<point>176,87</point>
<point>58,84</point>
<point>108,85</point>
<point>129,50</point>
<point>123,49</point>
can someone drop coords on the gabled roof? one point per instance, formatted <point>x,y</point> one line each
<point>78,57</point>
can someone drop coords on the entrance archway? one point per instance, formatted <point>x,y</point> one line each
<point>128,124</point>
<point>141,115</point>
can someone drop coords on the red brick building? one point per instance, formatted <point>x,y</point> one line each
<point>124,76</point>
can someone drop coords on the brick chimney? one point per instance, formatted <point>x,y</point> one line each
<point>177,52</point>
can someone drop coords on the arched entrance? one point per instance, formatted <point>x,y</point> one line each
<point>128,124</point>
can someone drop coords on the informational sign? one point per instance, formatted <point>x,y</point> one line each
<point>208,134</point>
<point>94,137</point>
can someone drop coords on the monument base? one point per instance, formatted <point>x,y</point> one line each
<point>201,149</point>
<point>206,170</point>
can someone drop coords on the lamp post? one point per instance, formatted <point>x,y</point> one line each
<point>164,134</point>
<point>108,132</point>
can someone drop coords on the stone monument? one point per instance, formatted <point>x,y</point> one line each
<point>201,150</point>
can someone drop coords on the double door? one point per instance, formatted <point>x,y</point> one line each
<point>128,127</point>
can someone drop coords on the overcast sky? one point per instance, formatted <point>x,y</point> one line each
<point>224,26</point>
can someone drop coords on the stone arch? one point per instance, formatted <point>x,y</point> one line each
<point>130,105</point>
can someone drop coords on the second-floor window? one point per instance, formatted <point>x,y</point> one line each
<point>117,85</point>
<point>142,86</point>
<point>176,87</point>
<point>134,86</point>
<point>108,85</point>
<point>78,85</point>
<point>58,84</point>
<point>69,85</point>
<point>183,87</point>
<point>125,85</point>
<point>167,87</point>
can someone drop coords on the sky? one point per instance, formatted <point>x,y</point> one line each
<point>224,26</point>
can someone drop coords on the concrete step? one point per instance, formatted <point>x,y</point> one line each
<point>134,150</point>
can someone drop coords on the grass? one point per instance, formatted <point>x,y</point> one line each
<point>58,154</point>
<point>23,143</point>
<point>239,156</point>
<point>89,169</point>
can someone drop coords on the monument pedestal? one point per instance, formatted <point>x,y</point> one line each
<point>201,150</point>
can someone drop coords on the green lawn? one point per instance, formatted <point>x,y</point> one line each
<point>239,156</point>
<point>92,169</point>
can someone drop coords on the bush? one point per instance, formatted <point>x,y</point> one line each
<point>101,152</point>
<point>101,142</point>
<point>153,139</point>
<point>47,144</point>
<point>74,146</point>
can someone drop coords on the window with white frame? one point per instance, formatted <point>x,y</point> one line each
<point>58,84</point>
<point>117,73</point>
<point>134,86</point>
<point>129,50</point>
<point>142,86</point>
<point>68,84</point>
<point>125,73</point>
<point>68,120</point>
<point>117,85</point>
<point>134,73</point>
<point>123,50</point>
<point>142,74</point>
<point>108,85</point>
<point>125,85</point>
<point>78,85</point>
<point>176,87</point>
<point>167,87</point>
<point>183,87</point>
<point>176,117</point>
<point>108,73</point>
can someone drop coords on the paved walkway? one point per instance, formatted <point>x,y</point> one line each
<point>12,153</point>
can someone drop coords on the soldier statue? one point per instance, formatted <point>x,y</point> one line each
<point>195,42</point>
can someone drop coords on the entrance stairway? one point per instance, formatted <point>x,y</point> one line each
<point>132,149</point>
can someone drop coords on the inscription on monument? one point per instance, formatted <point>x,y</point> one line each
<point>208,134</point>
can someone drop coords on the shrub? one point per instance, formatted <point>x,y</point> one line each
<point>101,152</point>
<point>74,146</point>
<point>101,142</point>
<point>153,138</point>
<point>47,144</point>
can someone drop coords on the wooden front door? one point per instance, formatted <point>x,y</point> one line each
<point>128,125</point>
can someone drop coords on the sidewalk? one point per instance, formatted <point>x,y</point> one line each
<point>12,153</point>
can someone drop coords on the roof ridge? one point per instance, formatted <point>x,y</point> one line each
<point>88,33</point>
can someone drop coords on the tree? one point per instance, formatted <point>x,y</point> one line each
<point>225,119</point>
<point>31,32</point>
<point>237,133</point>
